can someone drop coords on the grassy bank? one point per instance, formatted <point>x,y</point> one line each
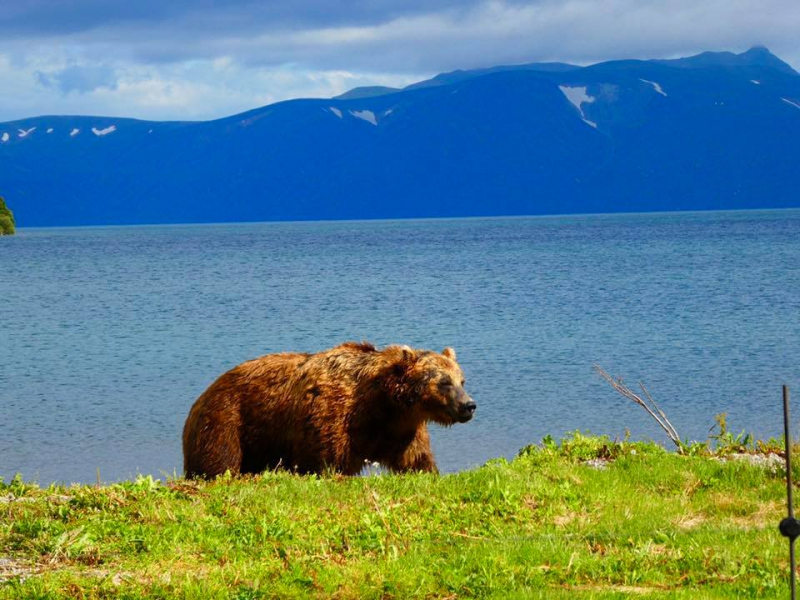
<point>546,525</point>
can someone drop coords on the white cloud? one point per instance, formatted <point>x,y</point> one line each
<point>479,34</point>
<point>192,90</point>
<point>215,60</point>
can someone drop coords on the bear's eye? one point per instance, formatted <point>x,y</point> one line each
<point>446,382</point>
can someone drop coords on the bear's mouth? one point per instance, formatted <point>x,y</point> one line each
<point>463,412</point>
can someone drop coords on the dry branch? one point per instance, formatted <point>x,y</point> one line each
<point>654,412</point>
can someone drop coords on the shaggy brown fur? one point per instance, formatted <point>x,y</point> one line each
<point>331,410</point>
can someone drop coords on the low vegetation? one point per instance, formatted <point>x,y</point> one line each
<point>585,517</point>
<point>7,223</point>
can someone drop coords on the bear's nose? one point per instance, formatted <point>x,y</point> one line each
<point>469,407</point>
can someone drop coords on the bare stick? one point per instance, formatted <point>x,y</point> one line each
<point>658,408</point>
<point>657,414</point>
<point>620,387</point>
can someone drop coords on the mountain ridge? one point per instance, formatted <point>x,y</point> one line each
<point>757,55</point>
<point>611,137</point>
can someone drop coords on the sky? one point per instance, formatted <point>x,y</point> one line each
<point>205,59</point>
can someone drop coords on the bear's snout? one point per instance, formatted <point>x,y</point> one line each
<point>466,409</point>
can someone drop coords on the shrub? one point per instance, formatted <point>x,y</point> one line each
<point>7,224</point>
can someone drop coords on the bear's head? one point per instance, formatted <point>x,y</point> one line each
<point>435,386</point>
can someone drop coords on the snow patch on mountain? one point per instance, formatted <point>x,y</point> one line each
<point>795,104</point>
<point>336,111</point>
<point>102,132</point>
<point>5,137</point>
<point>578,96</point>
<point>657,87</point>
<point>74,132</point>
<point>365,115</point>
<point>23,133</point>
<point>50,130</point>
<point>756,81</point>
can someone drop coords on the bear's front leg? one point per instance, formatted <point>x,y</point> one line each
<point>416,457</point>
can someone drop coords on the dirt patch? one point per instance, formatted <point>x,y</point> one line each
<point>764,517</point>
<point>53,499</point>
<point>620,589</point>
<point>598,463</point>
<point>772,463</point>
<point>690,521</point>
<point>11,568</point>
<point>563,520</point>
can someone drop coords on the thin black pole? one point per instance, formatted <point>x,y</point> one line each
<point>787,434</point>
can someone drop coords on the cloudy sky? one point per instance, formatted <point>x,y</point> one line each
<point>202,59</point>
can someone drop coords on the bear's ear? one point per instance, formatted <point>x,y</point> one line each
<point>449,353</point>
<point>407,356</point>
<point>405,360</point>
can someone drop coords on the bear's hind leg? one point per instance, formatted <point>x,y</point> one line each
<point>220,454</point>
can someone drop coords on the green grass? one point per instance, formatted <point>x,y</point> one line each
<point>545,525</point>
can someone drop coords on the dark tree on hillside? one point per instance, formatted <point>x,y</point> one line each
<point>7,224</point>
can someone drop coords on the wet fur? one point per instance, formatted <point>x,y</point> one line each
<point>330,410</point>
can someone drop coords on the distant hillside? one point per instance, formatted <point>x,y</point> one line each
<point>455,77</point>
<point>714,131</point>
<point>367,92</point>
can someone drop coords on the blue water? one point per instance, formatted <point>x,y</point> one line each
<point>109,334</point>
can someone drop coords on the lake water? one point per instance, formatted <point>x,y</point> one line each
<point>109,334</point>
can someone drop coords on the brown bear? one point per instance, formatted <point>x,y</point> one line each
<point>333,410</point>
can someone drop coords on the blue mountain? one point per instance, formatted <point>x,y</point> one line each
<point>713,131</point>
